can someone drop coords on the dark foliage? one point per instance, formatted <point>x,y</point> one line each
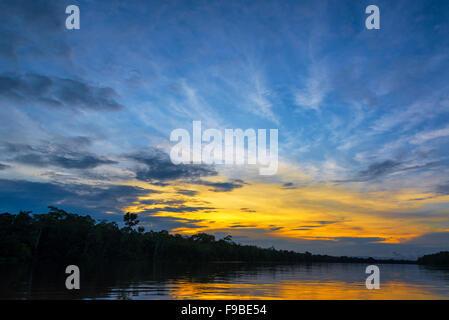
<point>436,259</point>
<point>61,237</point>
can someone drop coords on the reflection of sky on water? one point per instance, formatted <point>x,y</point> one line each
<point>326,281</point>
<point>239,281</point>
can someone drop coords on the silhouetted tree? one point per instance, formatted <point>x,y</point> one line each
<point>130,220</point>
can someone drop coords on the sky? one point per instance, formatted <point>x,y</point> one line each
<point>362,117</point>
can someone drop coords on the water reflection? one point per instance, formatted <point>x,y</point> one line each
<point>226,281</point>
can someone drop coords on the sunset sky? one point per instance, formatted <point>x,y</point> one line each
<point>363,118</point>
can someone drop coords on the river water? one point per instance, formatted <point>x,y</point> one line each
<point>228,281</point>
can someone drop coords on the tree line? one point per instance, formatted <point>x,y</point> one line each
<point>61,237</point>
<point>436,259</point>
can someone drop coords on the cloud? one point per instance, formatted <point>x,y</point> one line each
<point>179,209</point>
<point>407,118</point>
<point>316,224</point>
<point>33,28</point>
<point>288,185</point>
<point>242,226</point>
<point>158,202</point>
<point>324,222</point>
<point>70,161</point>
<point>443,189</point>
<point>157,166</point>
<point>247,210</point>
<point>377,169</point>
<point>189,193</point>
<point>8,147</point>
<point>260,99</point>
<point>3,166</point>
<point>168,223</point>
<point>18,195</point>
<point>429,135</point>
<point>314,92</point>
<point>308,227</point>
<point>221,186</point>
<point>359,240</point>
<point>66,155</point>
<point>57,92</point>
<point>435,239</point>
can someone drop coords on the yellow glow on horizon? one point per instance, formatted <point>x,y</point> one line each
<point>313,211</point>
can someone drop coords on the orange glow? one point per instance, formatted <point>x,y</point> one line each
<point>299,290</point>
<point>314,211</point>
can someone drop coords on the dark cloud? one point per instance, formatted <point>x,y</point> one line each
<point>359,239</point>
<point>40,14</point>
<point>70,161</point>
<point>315,224</point>
<point>102,202</point>
<point>242,226</point>
<point>435,239</point>
<point>68,155</point>
<point>159,202</point>
<point>221,186</point>
<point>57,92</point>
<point>179,209</point>
<point>247,210</point>
<point>156,166</point>
<point>18,195</point>
<point>443,189</point>
<point>33,28</point>
<point>288,185</point>
<point>189,193</point>
<point>158,223</point>
<point>422,166</point>
<point>104,175</point>
<point>325,221</point>
<point>4,166</point>
<point>377,169</point>
<point>310,226</point>
<point>8,147</point>
<point>420,199</point>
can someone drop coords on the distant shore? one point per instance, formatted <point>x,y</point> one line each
<point>61,237</point>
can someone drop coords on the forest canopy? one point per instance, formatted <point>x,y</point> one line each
<point>61,237</point>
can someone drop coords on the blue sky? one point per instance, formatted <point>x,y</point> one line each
<point>359,111</point>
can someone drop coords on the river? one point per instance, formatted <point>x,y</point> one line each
<point>228,281</point>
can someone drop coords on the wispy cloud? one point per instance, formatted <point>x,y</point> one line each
<point>315,89</point>
<point>430,135</point>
